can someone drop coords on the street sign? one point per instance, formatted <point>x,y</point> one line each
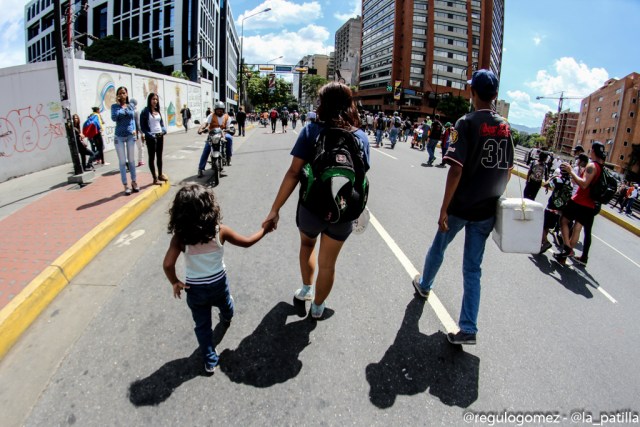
<point>266,68</point>
<point>284,68</point>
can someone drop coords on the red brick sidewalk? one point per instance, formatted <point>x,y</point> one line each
<point>36,235</point>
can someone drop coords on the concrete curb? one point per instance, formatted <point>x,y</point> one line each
<point>22,310</point>
<point>611,217</point>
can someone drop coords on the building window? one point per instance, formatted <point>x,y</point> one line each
<point>599,109</point>
<point>418,43</point>
<point>600,99</point>
<point>618,91</point>
<point>622,157</point>
<point>631,114</point>
<point>415,83</point>
<point>419,6</point>
<point>614,115</point>
<point>417,70</point>
<point>628,130</point>
<point>419,31</point>
<point>417,56</point>
<point>625,143</point>
<point>633,100</point>
<point>419,18</point>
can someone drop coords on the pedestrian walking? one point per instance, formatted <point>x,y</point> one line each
<point>97,140</point>
<point>154,130</point>
<point>336,109</point>
<point>241,117</point>
<point>480,156</point>
<point>434,137</point>
<point>195,222</point>
<point>123,115</point>
<point>186,116</point>
<point>273,116</point>
<point>538,173</point>
<point>284,118</point>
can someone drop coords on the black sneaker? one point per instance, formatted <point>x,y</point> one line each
<point>200,173</point>
<point>545,247</point>
<point>462,338</point>
<point>416,286</point>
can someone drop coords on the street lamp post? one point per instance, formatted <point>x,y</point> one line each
<point>240,98</point>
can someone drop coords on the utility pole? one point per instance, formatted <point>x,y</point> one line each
<point>79,176</point>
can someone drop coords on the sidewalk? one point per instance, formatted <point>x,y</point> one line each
<point>50,230</point>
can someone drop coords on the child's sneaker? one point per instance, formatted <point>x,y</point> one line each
<point>317,310</point>
<point>305,293</point>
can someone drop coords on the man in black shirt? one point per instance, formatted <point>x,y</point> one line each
<point>480,156</point>
<point>241,118</point>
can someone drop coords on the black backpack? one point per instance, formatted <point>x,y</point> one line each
<point>604,188</point>
<point>397,122</point>
<point>334,185</point>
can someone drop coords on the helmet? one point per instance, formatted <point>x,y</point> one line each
<point>218,105</point>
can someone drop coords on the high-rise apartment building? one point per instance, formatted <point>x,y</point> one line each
<point>502,108</point>
<point>183,34</point>
<point>426,48</point>
<point>318,62</point>
<point>559,130</point>
<point>610,115</point>
<point>347,50</point>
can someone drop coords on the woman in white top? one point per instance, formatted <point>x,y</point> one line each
<point>152,126</point>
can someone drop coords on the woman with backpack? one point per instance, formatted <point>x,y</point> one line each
<point>336,110</point>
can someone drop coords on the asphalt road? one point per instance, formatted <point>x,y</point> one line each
<point>116,349</point>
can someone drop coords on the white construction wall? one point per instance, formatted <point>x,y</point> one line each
<point>32,133</point>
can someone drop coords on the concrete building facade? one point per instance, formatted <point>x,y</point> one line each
<point>502,108</point>
<point>610,115</point>
<point>186,35</point>
<point>426,48</point>
<point>347,50</point>
<point>318,62</point>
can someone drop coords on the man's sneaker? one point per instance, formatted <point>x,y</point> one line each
<point>416,286</point>
<point>210,368</point>
<point>462,338</point>
<point>317,310</point>
<point>200,173</point>
<point>305,293</point>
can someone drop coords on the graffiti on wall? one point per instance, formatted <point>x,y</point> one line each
<point>27,129</point>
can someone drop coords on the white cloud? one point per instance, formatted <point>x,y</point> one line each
<point>573,78</point>
<point>537,40</point>
<point>292,46</point>
<point>283,13</point>
<point>355,11</point>
<point>12,33</point>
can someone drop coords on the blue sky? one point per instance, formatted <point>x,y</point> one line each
<point>549,45</point>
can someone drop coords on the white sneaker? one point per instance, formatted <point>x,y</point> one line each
<point>305,293</point>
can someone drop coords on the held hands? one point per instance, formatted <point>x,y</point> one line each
<point>177,288</point>
<point>271,222</point>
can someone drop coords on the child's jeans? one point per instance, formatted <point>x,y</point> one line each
<point>200,299</point>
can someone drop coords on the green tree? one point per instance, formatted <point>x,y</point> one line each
<point>260,97</point>
<point>179,74</point>
<point>311,84</point>
<point>112,50</point>
<point>453,107</point>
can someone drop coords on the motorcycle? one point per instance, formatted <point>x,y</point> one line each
<point>218,157</point>
<point>263,122</point>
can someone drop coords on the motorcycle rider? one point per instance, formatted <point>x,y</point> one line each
<point>216,120</point>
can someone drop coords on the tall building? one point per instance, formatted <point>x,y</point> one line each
<point>347,50</point>
<point>502,108</point>
<point>426,49</point>
<point>229,54</point>
<point>183,34</point>
<point>318,62</point>
<point>559,130</point>
<point>610,115</point>
<point>331,66</point>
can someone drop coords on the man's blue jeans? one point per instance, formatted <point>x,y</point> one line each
<point>431,149</point>
<point>476,234</point>
<point>125,148</point>
<point>378,136</point>
<point>207,150</point>
<point>393,135</point>
<point>200,300</point>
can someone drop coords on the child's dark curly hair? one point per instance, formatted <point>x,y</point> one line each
<point>194,215</point>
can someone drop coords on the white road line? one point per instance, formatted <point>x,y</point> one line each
<point>629,259</point>
<point>382,152</point>
<point>595,285</point>
<point>444,316</point>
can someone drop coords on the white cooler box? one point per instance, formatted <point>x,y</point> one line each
<point>518,230</point>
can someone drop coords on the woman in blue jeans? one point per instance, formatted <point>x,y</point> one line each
<point>122,113</point>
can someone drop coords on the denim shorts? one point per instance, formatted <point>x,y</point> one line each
<point>311,225</point>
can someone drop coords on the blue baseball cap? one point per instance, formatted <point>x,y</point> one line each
<point>484,83</point>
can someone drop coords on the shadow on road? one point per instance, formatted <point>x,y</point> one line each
<point>270,354</point>
<point>565,275</point>
<point>416,362</point>
<point>157,387</point>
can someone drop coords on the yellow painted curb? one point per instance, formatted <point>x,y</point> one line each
<point>25,307</point>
